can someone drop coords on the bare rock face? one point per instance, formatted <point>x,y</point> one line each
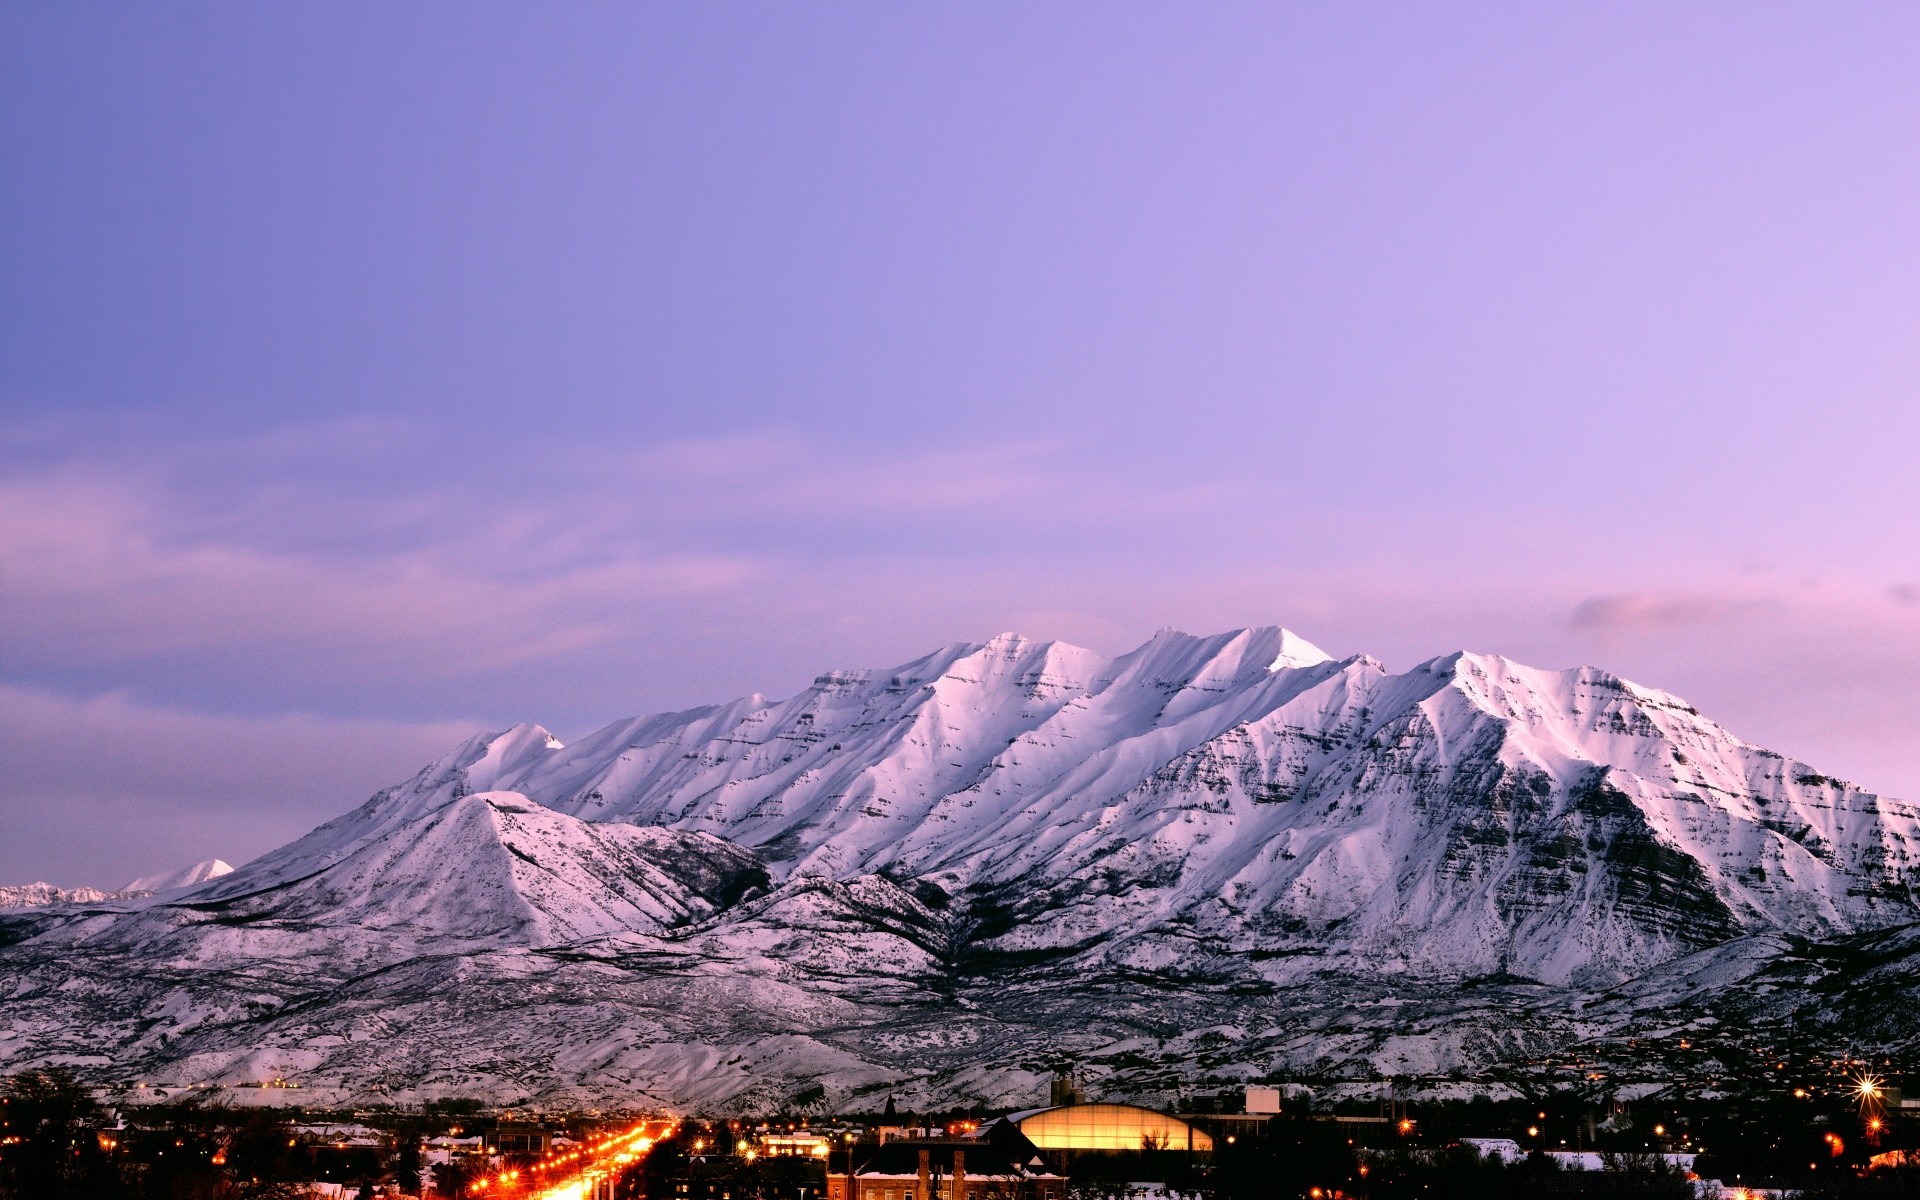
<point>993,856</point>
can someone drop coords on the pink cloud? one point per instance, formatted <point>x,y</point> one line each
<point>574,586</point>
<point>1652,610</point>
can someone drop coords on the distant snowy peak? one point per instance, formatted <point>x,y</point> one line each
<point>43,895</point>
<point>168,881</point>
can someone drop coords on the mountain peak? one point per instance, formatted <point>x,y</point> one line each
<point>167,881</point>
<point>511,751</point>
<point>1296,651</point>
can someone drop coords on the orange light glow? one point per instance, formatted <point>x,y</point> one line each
<point>1872,1095</point>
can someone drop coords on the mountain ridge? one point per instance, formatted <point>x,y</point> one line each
<point>874,866</point>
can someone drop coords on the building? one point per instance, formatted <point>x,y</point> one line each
<point>801,1144</point>
<point>890,1124</point>
<point>1064,1091</point>
<point>1111,1127</point>
<point>446,1148</point>
<point>963,1169</point>
<point>513,1138</point>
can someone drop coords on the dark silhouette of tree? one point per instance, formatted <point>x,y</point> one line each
<point>50,1146</point>
<point>451,1179</point>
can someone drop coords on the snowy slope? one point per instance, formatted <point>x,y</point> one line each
<point>957,861</point>
<point>167,881</point>
<point>1471,815</point>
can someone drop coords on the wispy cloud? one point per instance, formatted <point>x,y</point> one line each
<point>173,595</point>
<point>99,569</point>
<point>410,556</point>
<point>1633,612</point>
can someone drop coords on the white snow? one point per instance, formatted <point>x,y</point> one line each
<point>41,895</point>
<point>199,872</point>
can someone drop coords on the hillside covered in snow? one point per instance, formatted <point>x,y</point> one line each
<point>1208,859</point>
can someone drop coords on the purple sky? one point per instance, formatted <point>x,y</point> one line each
<point>373,373</point>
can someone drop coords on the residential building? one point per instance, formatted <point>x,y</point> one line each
<point>956,1169</point>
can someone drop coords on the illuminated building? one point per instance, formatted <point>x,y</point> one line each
<point>1112,1127</point>
<point>793,1145</point>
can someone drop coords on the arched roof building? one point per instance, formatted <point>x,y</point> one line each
<point>1109,1127</point>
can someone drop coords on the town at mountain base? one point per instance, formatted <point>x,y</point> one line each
<point>1207,861</point>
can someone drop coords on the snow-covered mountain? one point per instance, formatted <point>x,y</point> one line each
<point>968,865</point>
<point>39,895</point>
<point>167,881</point>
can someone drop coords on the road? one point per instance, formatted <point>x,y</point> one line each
<point>583,1172</point>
